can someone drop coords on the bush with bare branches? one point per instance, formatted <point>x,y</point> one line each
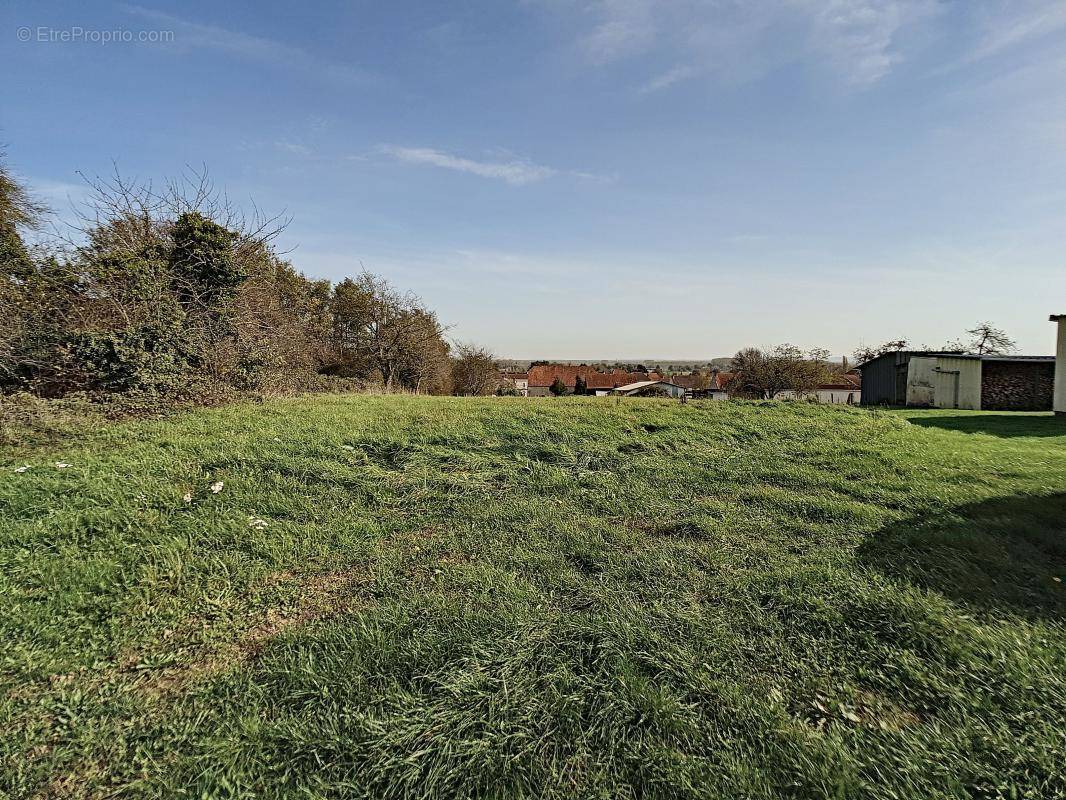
<point>170,289</point>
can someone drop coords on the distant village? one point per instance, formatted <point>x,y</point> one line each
<point>711,383</point>
<point>982,374</point>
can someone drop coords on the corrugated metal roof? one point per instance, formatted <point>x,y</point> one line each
<point>950,354</point>
<point>987,357</point>
<point>644,384</point>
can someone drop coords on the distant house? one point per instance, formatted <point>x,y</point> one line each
<point>719,388</point>
<point>844,389</point>
<point>519,381</point>
<point>541,377</point>
<point>696,385</point>
<point>841,390</point>
<point>959,380</point>
<point>640,388</point>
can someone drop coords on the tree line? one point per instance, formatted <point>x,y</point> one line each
<point>174,291</point>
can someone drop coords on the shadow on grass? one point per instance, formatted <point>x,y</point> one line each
<point>1005,425</point>
<point>997,555</point>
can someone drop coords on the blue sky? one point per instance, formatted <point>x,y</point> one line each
<point>603,178</point>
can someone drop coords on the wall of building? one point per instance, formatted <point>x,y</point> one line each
<point>832,396</point>
<point>881,380</point>
<point>921,380</point>
<point>839,396</point>
<point>1060,368</point>
<point>673,391</point>
<point>963,373</point>
<point>1017,385</point>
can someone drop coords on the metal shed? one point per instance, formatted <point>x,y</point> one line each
<point>958,380</point>
<point>884,379</point>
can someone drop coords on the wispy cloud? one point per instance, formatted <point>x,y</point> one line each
<point>293,147</point>
<point>858,37</point>
<point>667,79</point>
<point>59,195</point>
<point>1021,23</point>
<point>736,40</point>
<point>189,34</point>
<point>626,27</point>
<point>514,172</point>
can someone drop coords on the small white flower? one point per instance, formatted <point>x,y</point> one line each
<point>22,469</point>
<point>187,497</point>
<point>257,523</point>
<point>216,487</point>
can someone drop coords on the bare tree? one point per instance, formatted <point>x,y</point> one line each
<point>987,339</point>
<point>474,371</point>
<point>863,354</point>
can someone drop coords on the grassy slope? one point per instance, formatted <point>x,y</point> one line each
<point>506,598</point>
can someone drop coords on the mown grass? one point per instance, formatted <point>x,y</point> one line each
<point>421,597</point>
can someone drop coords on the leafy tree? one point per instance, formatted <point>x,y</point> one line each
<point>377,327</point>
<point>653,391</point>
<point>172,289</point>
<point>765,374</point>
<point>19,212</point>
<point>581,386</point>
<point>202,259</point>
<point>26,294</point>
<point>558,388</point>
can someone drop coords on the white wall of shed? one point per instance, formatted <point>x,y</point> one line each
<point>1060,369</point>
<point>921,381</point>
<point>969,382</point>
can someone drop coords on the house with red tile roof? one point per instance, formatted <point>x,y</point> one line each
<point>542,376</point>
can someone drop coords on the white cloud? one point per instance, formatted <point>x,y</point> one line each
<point>189,34</point>
<point>515,172</point>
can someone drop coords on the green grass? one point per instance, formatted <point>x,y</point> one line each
<point>504,598</point>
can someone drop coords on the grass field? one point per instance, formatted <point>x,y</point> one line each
<point>505,598</point>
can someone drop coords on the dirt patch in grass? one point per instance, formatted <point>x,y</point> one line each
<point>862,708</point>
<point>319,597</point>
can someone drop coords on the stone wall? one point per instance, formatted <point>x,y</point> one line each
<point>1017,385</point>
